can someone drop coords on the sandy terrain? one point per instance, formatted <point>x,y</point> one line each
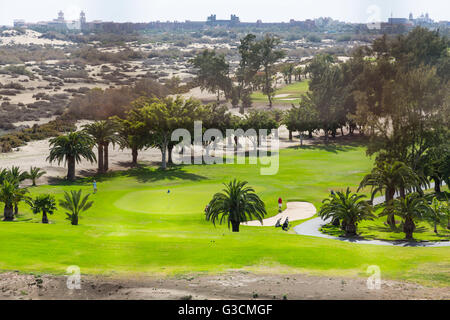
<point>231,285</point>
<point>11,37</point>
<point>35,153</point>
<point>294,211</point>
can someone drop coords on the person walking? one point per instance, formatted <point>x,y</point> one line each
<point>280,204</point>
<point>95,186</point>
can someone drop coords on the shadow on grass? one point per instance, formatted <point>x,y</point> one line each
<point>334,145</point>
<point>141,173</point>
<point>146,174</point>
<point>397,229</point>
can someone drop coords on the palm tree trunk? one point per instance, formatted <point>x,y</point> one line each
<point>16,209</point>
<point>350,229</point>
<point>402,193</point>
<point>8,212</point>
<point>74,220</point>
<point>169,150</point>
<point>163,157</point>
<point>71,168</point>
<point>437,185</point>
<point>106,157</point>
<point>134,154</point>
<point>389,197</point>
<point>44,217</point>
<point>100,158</point>
<point>408,228</point>
<point>235,226</point>
<point>290,135</point>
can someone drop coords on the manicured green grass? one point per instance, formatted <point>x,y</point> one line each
<point>293,91</point>
<point>135,226</point>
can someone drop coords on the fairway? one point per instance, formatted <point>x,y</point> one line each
<point>287,95</point>
<point>137,227</point>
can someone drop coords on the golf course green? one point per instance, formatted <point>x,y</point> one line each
<point>136,226</point>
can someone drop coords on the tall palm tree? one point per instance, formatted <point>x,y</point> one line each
<point>347,207</point>
<point>75,204</point>
<point>34,174</point>
<point>412,207</point>
<point>391,177</point>
<point>10,195</point>
<point>104,133</point>
<point>43,203</point>
<point>71,148</point>
<point>237,203</point>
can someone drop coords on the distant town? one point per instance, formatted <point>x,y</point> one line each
<point>319,24</point>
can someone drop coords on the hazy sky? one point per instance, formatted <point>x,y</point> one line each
<point>198,10</point>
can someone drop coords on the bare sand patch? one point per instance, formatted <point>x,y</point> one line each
<point>234,284</point>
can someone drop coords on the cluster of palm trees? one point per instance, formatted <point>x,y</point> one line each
<point>12,194</point>
<point>75,146</point>
<point>404,197</point>
<point>73,202</point>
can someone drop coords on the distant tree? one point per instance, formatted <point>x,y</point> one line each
<point>288,71</point>
<point>248,67</point>
<point>34,174</point>
<point>74,204</point>
<point>267,56</point>
<point>103,132</point>
<point>43,203</point>
<point>237,203</point>
<point>212,72</point>
<point>71,148</point>
<point>161,117</point>
<point>259,120</point>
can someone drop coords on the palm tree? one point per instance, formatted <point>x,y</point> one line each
<point>237,203</point>
<point>104,133</point>
<point>10,195</point>
<point>75,204</point>
<point>3,175</point>
<point>347,207</point>
<point>16,176</point>
<point>71,148</point>
<point>35,173</point>
<point>44,203</point>
<point>391,177</point>
<point>413,206</point>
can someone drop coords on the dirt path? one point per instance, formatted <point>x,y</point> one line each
<point>232,285</point>
<point>294,211</point>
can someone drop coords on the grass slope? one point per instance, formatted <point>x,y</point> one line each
<point>291,94</point>
<point>135,226</point>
